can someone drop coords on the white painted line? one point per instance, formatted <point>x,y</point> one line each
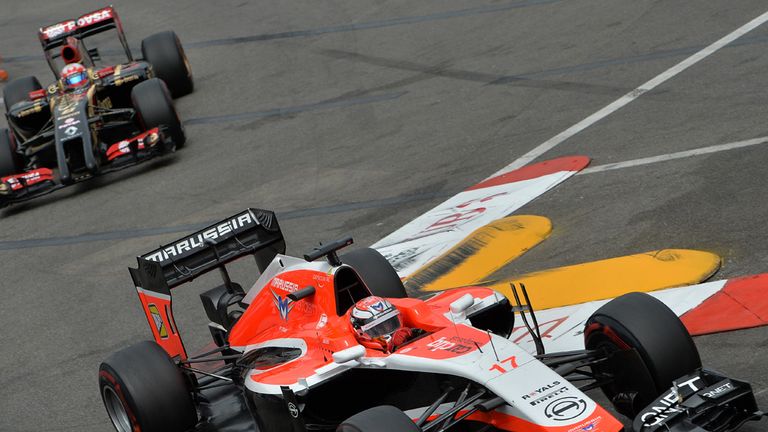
<point>673,156</point>
<point>634,94</point>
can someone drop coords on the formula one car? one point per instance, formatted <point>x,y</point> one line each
<point>94,118</point>
<point>288,357</point>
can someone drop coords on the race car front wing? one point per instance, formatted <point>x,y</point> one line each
<point>42,181</point>
<point>704,401</point>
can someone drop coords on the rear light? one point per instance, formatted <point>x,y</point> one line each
<point>37,94</point>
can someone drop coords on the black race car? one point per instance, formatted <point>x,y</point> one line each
<point>95,118</point>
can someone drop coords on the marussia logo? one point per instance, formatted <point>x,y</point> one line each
<point>284,305</point>
<point>198,240</point>
<point>378,307</point>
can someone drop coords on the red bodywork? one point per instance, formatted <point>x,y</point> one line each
<point>315,320</point>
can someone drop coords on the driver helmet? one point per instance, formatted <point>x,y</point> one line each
<point>74,75</point>
<point>374,321</point>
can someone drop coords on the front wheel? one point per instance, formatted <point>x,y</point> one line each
<point>143,390</point>
<point>640,322</point>
<point>154,106</point>
<point>385,418</point>
<point>8,159</point>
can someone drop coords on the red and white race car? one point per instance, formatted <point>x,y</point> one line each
<point>287,358</point>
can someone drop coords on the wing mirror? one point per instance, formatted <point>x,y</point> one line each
<point>302,293</point>
<point>459,307</point>
<point>346,355</point>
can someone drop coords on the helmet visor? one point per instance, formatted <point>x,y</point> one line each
<point>384,325</point>
<point>75,79</point>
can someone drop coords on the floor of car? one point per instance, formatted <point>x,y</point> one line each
<point>224,410</point>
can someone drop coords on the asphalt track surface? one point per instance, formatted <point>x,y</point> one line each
<point>353,117</point>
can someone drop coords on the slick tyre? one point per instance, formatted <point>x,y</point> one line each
<point>143,390</point>
<point>8,160</point>
<point>154,107</point>
<point>18,90</point>
<point>385,418</point>
<point>376,272</point>
<point>169,62</point>
<point>641,322</point>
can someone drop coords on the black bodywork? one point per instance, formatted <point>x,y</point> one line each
<point>76,133</point>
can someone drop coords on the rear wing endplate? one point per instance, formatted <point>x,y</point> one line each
<point>250,232</point>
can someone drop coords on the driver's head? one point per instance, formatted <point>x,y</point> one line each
<point>74,75</point>
<point>374,320</point>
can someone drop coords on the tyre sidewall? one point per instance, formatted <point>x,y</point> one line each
<point>169,62</point>
<point>8,159</point>
<point>151,387</point>
<point>641,322</point>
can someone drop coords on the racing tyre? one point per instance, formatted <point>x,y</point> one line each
<point>144,390</point>
<point>165,53</point>
<point>18,90</point>
<point>641,322</point>
<point>154,106</point>
<point>8,159</point>
<point>385,418</point>
<point>376,272</point>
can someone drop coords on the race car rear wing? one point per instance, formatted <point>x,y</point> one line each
<point>89,24</point>
<point>250,232</point>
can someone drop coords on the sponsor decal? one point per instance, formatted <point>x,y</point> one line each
<point>68,107</point>
<point>293,410</point>
<point>94,18</point>
<point>545,393</point>
<point>321,279</point>
<point>284,305</point>
<point>71,121</point>
<point>452,344</point>
<point>158,319</point>
<point>322,322</point>
<point>59,29</point>
<point>105,103</point>
<point>565,408</point>
<point>549,396</point>
<point>713,393</point>
<point>122,80</point>
<point>668,405</point>
<point>18,181</point>
<point>29,111</point>
<point>198,240</point>
<point>284,285</point>
<point>541,390</point>
<point>71,131</point>
<point>587,426</point>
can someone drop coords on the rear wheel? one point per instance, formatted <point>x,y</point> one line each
<point>376,272</point>
<point>154,106</point>
<point>169,62</point>
<point>8,159</point>
<point>385,418</point>
<point>638,321</point>
<point>142,389</point>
